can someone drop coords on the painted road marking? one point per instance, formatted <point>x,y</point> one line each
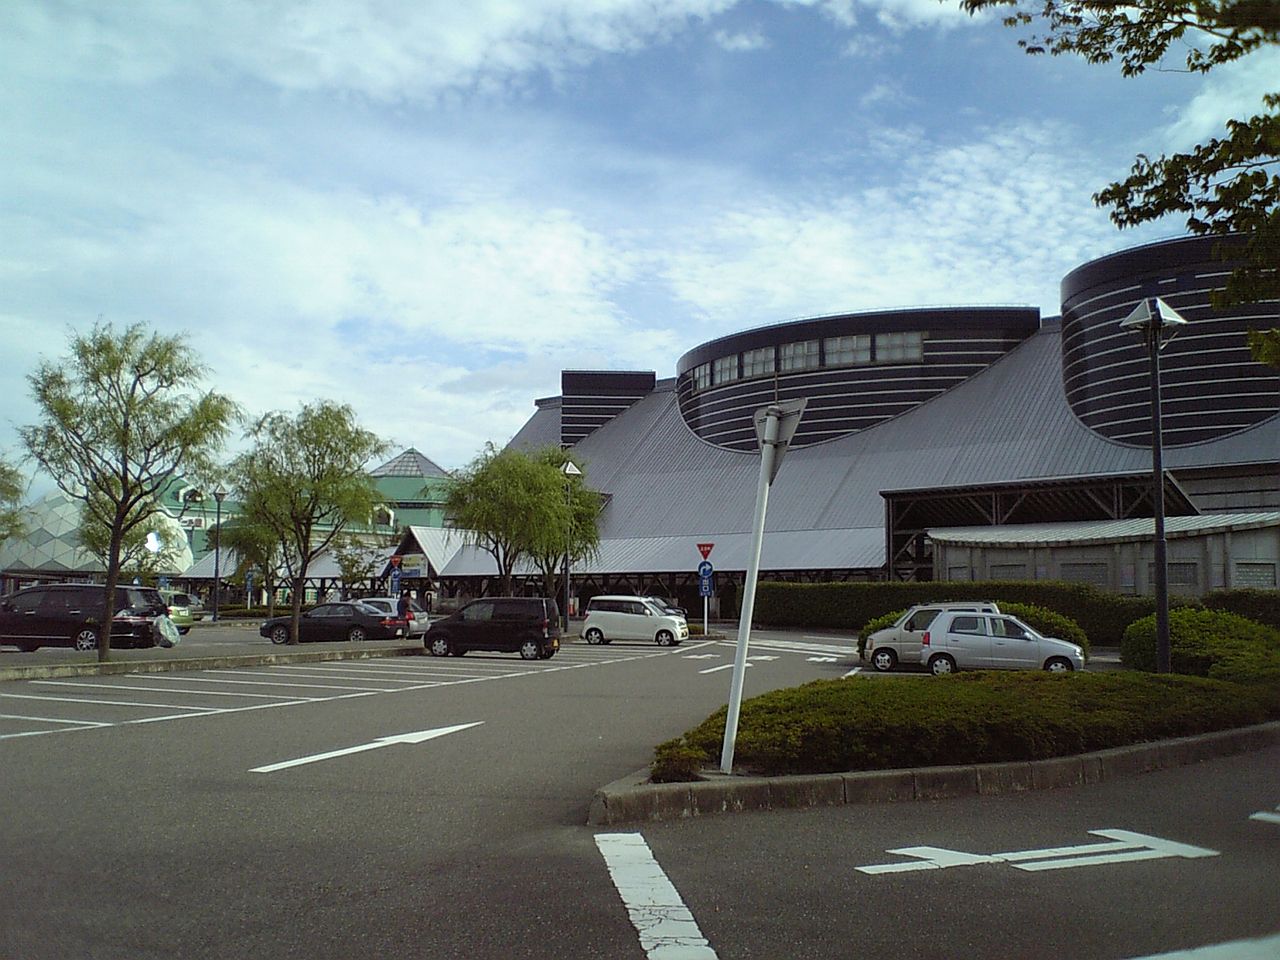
<point>666,927</point>
<point>419,737</point>
<point>702,656</point>
<point>724,666</point>
<point>1125,847</point>
<point>822,659</point>
<point>1266,816</point>
<point>1264,948</point>
<point>854,672</point>
<point>762,658</point>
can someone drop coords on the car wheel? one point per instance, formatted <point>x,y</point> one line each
<point>594,636</point>
<point>457,652</point>
<point>531,650</point>
<point>183,631</point>
<point>884,659</point>
<point>439,647</point>
<point>356,634</point>
<point>28,647</point>
<point>665,638</point>
<point>548,654</point>
<point>280,634</point>
<point>941,664</point>
<point>1058,665</point>
<point>86,639</point>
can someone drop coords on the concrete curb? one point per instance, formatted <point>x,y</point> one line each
<point>112,667</point>
<point>634,799</point>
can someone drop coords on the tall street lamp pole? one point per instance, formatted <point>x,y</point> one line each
<point>218,494</point>
<point>1151,319</point>
<point>570,470</point>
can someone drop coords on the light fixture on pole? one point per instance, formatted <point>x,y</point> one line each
<point>1152,319</point>
<point>570,470</point>
<point>219,494</point>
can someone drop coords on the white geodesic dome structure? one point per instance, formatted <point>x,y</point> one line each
<point>52,542</point>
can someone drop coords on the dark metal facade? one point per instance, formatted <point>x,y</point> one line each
<point>591,398</point>
<point>1211,386</point>
<point>855,370</point>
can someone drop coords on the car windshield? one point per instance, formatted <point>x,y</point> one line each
<point>655,607</point>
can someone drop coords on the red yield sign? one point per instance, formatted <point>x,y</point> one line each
<point>705,549</point>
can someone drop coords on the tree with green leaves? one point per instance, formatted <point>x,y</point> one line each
<point>580,535</point>
<point>255,549</point>
<point>1228,185</point>
<point>304,480</point>
<point>359,559</point>
<point>12,489</point>
<point>510,504</point>
<point>120,418</point>
<point>151,546</point>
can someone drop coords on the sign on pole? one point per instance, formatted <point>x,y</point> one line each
<point>775,426</point>
<point>705,549</point>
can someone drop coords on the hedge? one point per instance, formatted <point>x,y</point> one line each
<point>1208,643</point>
<point>1260,605</point>
<point>849,606</point>
<point>985,717</point>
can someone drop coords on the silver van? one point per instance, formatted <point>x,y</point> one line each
<point>612,618</point>
<point>976,641</point>
<point>901,643</point>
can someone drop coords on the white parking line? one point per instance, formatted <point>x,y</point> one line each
<point>1264,948</point>
<point>77,723</point>
<point>258,683</point>
<point>200,693</point>
<point>666,927</point>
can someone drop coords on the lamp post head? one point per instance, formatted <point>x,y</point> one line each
<point>1153,313</point>
<point>219,493</point>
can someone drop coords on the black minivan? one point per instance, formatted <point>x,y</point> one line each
<point>529,625</point>
<point>71,615</point>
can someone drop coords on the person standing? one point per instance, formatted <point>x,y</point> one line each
<point>403,610</point>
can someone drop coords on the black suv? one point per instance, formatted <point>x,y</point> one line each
<point>530,625</point>
<point>71,614</point>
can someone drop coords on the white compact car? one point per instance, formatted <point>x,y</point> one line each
<point>901,643</point>
<point>417,627</point>
<point>612,618</point>
<point>977,641</point>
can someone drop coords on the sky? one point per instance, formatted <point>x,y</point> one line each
<point>427,209</point>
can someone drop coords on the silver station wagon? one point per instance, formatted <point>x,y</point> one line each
<point>981,641</point>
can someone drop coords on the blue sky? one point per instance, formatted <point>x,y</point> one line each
<point>427,209</point>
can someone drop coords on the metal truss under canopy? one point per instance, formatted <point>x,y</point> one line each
<point>909,513</point>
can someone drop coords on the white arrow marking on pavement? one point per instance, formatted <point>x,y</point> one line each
<point>760,657</point>
<point>667,929</point>
<point>702,656</point>
<point>854,672</point>
<point>724,666</point>
<point>1266,816</point>
<point>1125,847</point>
<point>419,737</point>
<point>822,659</point>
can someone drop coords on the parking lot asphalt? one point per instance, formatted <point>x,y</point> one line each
<point>233,643</point>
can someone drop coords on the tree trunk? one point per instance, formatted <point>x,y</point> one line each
<point>299,587</point>
<point>113,578</point>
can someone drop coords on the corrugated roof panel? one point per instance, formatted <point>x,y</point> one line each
<point>1091,531</point>
<point>1009,422</point>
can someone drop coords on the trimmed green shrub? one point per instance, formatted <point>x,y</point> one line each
<point>876,623</point>
<point>843,606</point>
<point>1048,622</point>
<point>984,717</point>
<point>1260,605</point>
<point>1208,643</point>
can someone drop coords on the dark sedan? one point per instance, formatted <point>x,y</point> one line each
<point>336,621</point>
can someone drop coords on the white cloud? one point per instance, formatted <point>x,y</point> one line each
<point>1234,90</point>
<point>382,50</point>
<point>978,222</point>
<point>740,42</point>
